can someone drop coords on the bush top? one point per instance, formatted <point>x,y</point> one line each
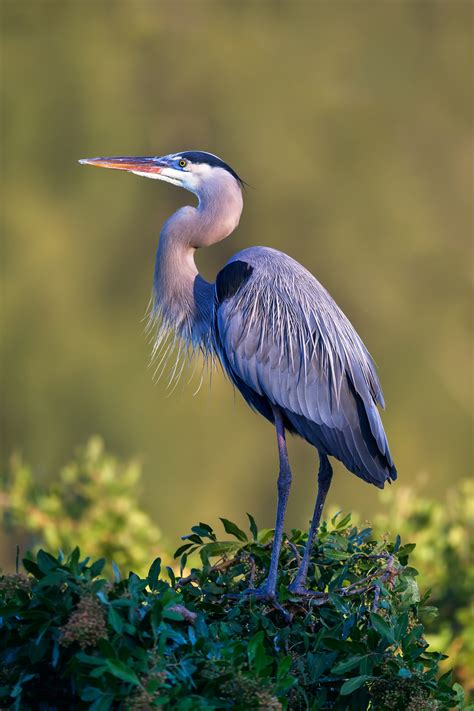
<point>193,641</point>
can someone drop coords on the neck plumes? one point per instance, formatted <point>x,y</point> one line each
<point>182,299</point>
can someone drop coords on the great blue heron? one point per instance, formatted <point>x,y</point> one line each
<point>278,334</point>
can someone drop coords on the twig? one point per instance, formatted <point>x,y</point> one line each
<point>387,573</point>
<point>373,556</point>
<point>214,569</point>
<point>294,550</point>
<point>376,597</point>
<point>253,572</point>
<point>187,615</point>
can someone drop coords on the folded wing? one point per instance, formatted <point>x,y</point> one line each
<point>283,341</point>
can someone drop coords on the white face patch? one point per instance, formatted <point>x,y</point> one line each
<point>201,169</point>
<point>158,176</point>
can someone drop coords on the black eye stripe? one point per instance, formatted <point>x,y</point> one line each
<point>212,160</point>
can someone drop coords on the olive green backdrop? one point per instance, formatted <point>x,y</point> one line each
<point>351,122</point>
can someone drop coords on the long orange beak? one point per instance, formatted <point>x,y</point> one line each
<point>145,164</point>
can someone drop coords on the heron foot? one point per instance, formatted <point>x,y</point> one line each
<point>261,593</point>
<point>296,588</point>
<point>266,594</point>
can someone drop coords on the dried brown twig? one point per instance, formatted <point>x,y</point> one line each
<point>187,615</point>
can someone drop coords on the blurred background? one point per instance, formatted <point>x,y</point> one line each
<point>352,124</point>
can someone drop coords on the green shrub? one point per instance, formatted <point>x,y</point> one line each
<point>443,533</point>
<point>94,506</point>
<point>73,639</point>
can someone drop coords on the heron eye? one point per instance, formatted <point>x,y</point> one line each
<point>183,163</point>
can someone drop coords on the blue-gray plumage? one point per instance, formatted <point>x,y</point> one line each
<point>284,341</point>
<point>278,334</point>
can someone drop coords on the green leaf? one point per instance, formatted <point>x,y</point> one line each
<point>265,535</point>
<point>172,615</point>
<point>405,550</point>
<point>182,549</point>
<point>117,575</point>
<point>90,693</point>
<point>253,526</point>
<point>347,664</point>
<point>89,659</point>
<point>401,626</point>
<point>353,684</point>
<point>204,531</point>
<point>207,528</point>
<point>382,628</point>
<point>153,574</point>
<point>344,522</point>
<point>366,665</point>
<point>51,579</point>
<point>106,649</point>
<point>194,538</point>
<point>97,567</point>
<point>73,560</point>
<point>234,530</point>
<point>103,703</point>
<point>408,571</point>
<point>121,671</point>
<point>284,666</point>
<point>115,621</point>
<point>31,567</point>
<point>258,658</point>
<point>46,562</point>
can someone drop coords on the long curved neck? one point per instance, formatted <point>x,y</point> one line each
<point>183,299</point>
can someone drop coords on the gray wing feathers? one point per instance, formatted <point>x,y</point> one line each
<point>285,338</point>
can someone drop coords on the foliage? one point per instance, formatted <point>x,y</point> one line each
<point>94,505</point>
<point>443,532</point>
<point>195,642</point>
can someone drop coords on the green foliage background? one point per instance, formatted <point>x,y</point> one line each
<point>352,123</point>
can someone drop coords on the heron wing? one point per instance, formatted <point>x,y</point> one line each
<point>284,341</point>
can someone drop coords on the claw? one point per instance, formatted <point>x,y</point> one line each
<point>297,589</point>
<point>262,593</point>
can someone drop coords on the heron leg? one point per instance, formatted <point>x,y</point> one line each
<point>284,484</point>
<point>324,482</point>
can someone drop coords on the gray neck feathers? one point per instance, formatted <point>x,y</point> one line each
<point>182,299</point>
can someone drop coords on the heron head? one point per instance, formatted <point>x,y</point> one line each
<point>193,170</point>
